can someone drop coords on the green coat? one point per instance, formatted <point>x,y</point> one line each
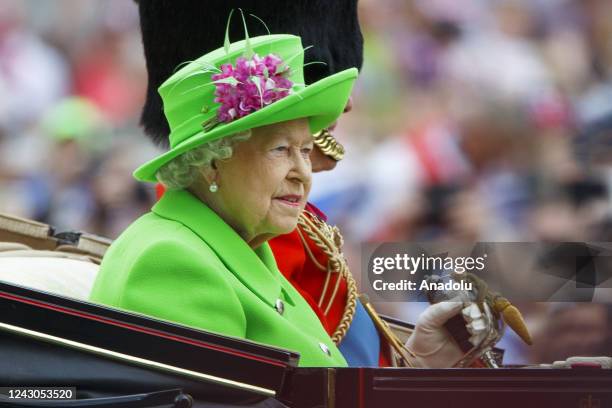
<point>183,263</point>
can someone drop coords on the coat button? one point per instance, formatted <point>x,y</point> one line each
<point>325,349</point>
<point>279,306</point>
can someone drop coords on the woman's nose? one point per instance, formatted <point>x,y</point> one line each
<point>302,168</point>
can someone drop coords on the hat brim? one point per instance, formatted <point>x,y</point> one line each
<point>321,102</point>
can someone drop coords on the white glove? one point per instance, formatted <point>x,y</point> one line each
<point>431,342</point>
<point>478,324</point>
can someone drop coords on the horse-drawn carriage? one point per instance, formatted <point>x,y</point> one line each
<point>50,336</point>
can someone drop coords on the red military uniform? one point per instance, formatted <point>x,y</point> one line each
<point>309,273</point>
<point>310,258</point>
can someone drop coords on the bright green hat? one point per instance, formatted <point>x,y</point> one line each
<point>193,114</point>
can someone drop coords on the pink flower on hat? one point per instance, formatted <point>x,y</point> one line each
<point>253,83</point>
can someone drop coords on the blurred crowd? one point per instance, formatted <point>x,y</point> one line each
<point>473,120</point>
<point>72,80</point>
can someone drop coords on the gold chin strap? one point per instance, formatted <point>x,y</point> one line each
<point>326,142</point>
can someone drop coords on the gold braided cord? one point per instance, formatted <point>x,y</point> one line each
<point>349,309</point>
<point>322,242</point>
<point>318,265</point>
<point>328,144</point>
<point>309,251</point>
<point>329,240</point>
<point>333,296</point>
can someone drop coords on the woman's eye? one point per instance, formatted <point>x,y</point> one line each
<point>306,151</point>
<point>281,149</point>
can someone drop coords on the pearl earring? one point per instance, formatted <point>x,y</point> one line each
<point>213,187</point>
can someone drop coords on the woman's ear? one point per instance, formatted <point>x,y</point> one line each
<point>209,173</point>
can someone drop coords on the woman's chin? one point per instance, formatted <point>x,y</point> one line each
<point>274,230</point>
<point>285,225</point>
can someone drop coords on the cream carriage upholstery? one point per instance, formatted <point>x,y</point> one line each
<point>32,254</point>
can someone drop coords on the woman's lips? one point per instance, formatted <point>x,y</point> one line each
<point>290,200</point>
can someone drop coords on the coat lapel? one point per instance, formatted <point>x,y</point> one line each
<point>257,269</point>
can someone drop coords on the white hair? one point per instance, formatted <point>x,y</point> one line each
<point>182,171</point>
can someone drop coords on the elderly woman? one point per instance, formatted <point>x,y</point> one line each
<point>238,173</point>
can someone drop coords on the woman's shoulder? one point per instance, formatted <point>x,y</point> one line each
<point>151,234</point>
<point>148,249</point>
<point>159,267</point>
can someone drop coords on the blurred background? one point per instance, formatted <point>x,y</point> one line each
<point>473,120</point>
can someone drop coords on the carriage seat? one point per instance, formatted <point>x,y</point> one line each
<point>34,255</point>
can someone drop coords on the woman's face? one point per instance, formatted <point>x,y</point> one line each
<point>263,187</point>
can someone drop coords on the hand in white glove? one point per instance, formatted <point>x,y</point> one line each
<point>478,323</point>
<point>433,345</point>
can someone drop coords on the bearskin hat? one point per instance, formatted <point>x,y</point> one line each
<point>175,31</point>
